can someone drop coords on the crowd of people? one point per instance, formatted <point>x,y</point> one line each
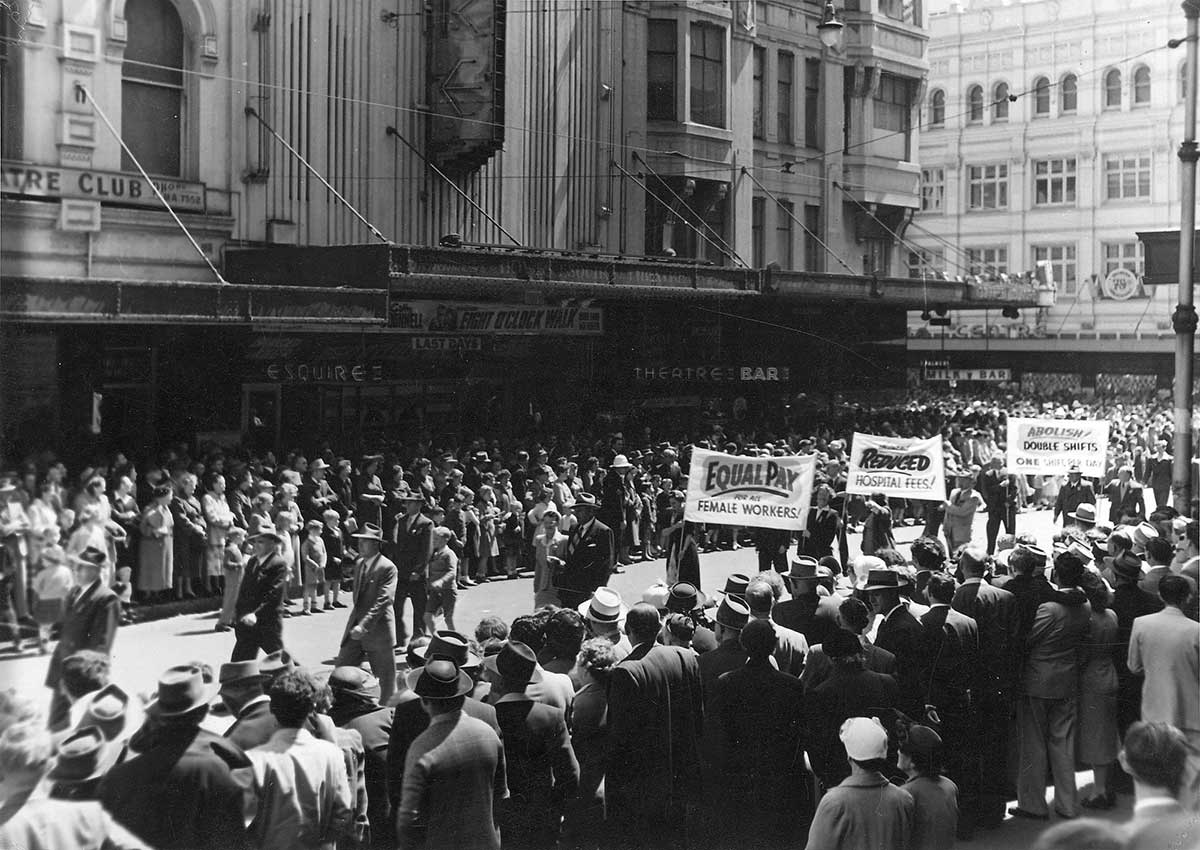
<point>876,701</point>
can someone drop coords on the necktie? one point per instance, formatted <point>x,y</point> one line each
<point>571,541</point>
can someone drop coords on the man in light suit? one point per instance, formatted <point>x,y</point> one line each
<point>90,622</point>
<point>371,629</point>
<point>1048,711</point>
<point>655,720</point>
<point>1125,503</point>
<point>410,548</point>
<point>588,556</point>
<point>1166,648</point>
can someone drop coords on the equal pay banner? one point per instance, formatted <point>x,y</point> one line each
<point>908,467</point>
<point>767,492</point>
<point>1051,446</point>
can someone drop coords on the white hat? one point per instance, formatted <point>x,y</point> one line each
<point>605,606</point>
<point>864,738</point>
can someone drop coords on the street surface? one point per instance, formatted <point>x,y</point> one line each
<point>143,651</point>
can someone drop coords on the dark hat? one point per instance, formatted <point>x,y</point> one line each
<point>354,680</point>
<point>842,643</point>
<point>448,644</point>
<point>885,580</point>
<point>440,679</point>
<point>276,662</point>
<point>680,625</point>
<point>83,755</point>
<point>736,584</point>
<point>180,690</point>
<point>585,500</point>
<point>516,663</point>
<point>1036,551</point>
<point>1074,467</point>
<point>685,597</point>
<point>733,613</point>
<point>1128,566</point>
<point>238,671</point>
<point>921,739</point>
<point>370,531</point>
<point>108,711</point>
<point>91,557</point>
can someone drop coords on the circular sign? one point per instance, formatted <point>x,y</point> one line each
<point>1120,285</point>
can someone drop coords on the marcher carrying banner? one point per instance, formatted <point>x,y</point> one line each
<point>907,467</point>
<point>1053,446</point>
<point>764,492</point>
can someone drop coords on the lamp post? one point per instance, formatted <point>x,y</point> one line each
<point>831,30</point>
<point>1184,319</point>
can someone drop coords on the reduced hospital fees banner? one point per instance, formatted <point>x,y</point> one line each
<point>765,492</point>
<point>908,467</point>
<point>1052,446</point>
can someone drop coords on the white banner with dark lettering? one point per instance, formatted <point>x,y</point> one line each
<point>1052,446</point>
<point>908,467</point>
<point>765,492</point>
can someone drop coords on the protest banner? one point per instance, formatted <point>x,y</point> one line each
<point>910,468</point>
<point>765,492</point>
<point>1051,446</point>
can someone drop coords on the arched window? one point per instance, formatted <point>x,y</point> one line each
<point>1112,89</point>
<point>975,104</point>
<point>1000,102</point>
<point>1041,97</point>
<point>1068,93</point>
<point>1141,85</point>
<point>152,87</point>
<point>937,108</point>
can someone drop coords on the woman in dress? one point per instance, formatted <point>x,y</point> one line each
<point>219,519</point>
<point>1099,741</point>
<point>369,493</point>
<point>548,546</point>
<point>422,482</point>
<point>510,521</point>
<point>156,546</point>
<point>489,546</point>
<point>190,536</point>
<point>584,821</point>
<point>125,513</point>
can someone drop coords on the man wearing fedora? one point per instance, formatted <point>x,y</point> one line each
<point>543,773</point>
<point>618,498</point>
<point>258,612</point>
<point>1075,492</point>
<point>587,559</point>
<point>184,788</point>
<point>356,707</point>
<point>604,616</point>
<point>371,628</point>
<point>900,633</point>
<point>315,493</point>
<point>1129,602</point>
<point>90,621</point>
<point>807,612</point>
<point>409,549</point>
<point>241,690</point>
<point>454,772</point>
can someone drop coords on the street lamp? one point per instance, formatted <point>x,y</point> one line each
<point>830,29</point>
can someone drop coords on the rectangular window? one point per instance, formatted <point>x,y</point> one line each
<point>1053,181</point>
<point>784,92</point>
<point>785,233</point>
<point>814,254</point>
<point>1124,255</point>
<point>877,256</point>
<point>988,260</point>
<point>1126,177</point>
<point>708,75</point>
<point>928,262</point>
<point>987,187</point>
<point>11,119</point>
<point>1062,264</point>
<point>660,71</point>
<point>760,92</point>
<point>899,10</point>
<point>933,189</point>
<point>812,104</point>
<point>893,109</point>
<point>758,243</point>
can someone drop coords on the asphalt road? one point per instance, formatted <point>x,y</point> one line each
<point>143,651</point>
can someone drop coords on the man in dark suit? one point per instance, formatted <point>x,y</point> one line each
<point>762,728</point>
<point>1160,471</point>
<point>588,556</point>
<point>655,719</point>
<point>807,612</point>
<point>1074,493</point>
<point>315,493</point>
<point>370,629</point>
<point>241,684</point>
<point>1126,506</point>
<point>258,612</point>
<point>732,616</point>
<point>1129,602</point>
<point>410,548</point>
<point>900,633</point>
<point>356,706</point>
<point>543,773</point>
<point>999,489</point>
<point>853,614</point>
<point>92,615</point>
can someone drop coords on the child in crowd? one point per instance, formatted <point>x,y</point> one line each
<point>51,586</point>
<point>233,564</point>
<point>335,555</point>
<point>442,583</point>
<point>123,587</point>
<point>312,558</point>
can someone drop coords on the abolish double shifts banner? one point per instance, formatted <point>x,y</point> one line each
<point>766,492</point>
<point>910,468</point>
<point>1052,446</point>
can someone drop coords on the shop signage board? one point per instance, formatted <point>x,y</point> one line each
<point>323,372</point>
<point>989,375</point>
<point>764,492</point>
<point>1051,446</point>
<point>714,374</point>
<point>107,187</point>
<point>447,343</point>
<point>456,317</point>
<point>909,467</point>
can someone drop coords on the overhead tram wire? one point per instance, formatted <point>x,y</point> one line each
<point>730,252</point>
<point>80,87</point>
<point>393,132</point>
<point>667,206</point>
<point>792,215</point>
<point>961,252</point>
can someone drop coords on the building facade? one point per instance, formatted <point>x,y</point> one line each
<point>718,133</point>
<point>1049,136</point>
